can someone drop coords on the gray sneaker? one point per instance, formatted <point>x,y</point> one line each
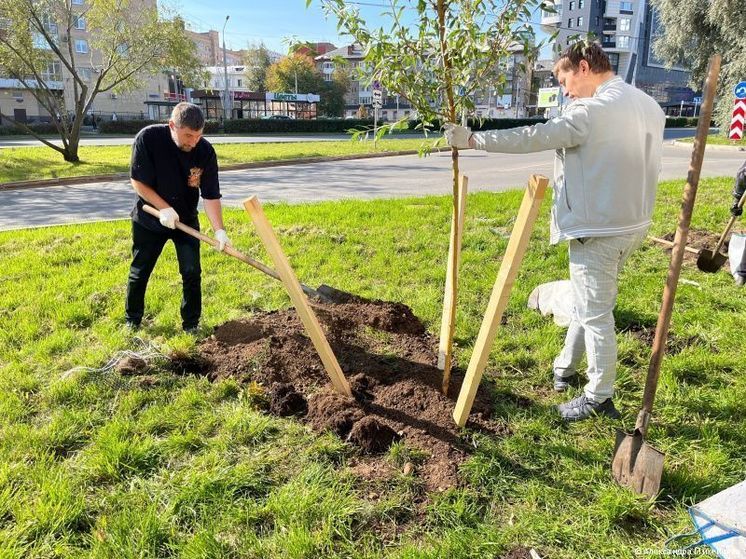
<point>739,279</point>
<point>562,383</point>
<point>582,407</point>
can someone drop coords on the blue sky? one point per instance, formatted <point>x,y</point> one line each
<point>271,21</point>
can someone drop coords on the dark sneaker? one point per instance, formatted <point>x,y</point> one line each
<point>739,279</point>
<point>582,408</point>
<point>562,383</point>
<point>132,326</point>
<point>191,330</point>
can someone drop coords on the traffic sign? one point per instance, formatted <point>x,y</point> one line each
<point>697,100</point>
<point>737,122</point>
<point>376,85</point>
<point>377,94</point>
<point>740,90</point>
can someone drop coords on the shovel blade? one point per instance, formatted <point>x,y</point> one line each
<point>636,464</point>
<point>710,262</point>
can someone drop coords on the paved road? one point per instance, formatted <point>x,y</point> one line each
<point>385,177</point>
<point>10,142</point>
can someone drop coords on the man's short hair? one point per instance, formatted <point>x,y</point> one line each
<point>591,52</point>
<point>189,115</point>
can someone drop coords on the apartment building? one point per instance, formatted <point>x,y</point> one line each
<point>154,100</point>
<point>359,96</point>
<point>626,29</point>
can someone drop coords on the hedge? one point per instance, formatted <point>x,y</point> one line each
<point>269,126</point>
<point>134,126</point>
<point>39,128</point>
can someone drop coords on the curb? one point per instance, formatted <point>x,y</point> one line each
<point>235,167</point>
<point>710,146</point>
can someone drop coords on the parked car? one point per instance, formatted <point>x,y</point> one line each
<point>276,117</point>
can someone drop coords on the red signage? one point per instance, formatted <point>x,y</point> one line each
<point>736,123</point>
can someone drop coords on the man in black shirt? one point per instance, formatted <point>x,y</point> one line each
<point>171,165</point>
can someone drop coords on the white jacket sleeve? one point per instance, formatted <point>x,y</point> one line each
<point>566,131</point>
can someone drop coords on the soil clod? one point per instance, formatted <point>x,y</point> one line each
<point>390,361</point>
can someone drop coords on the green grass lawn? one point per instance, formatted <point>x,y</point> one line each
<point>28,163</point>
<point>93,464</point>
<point>717,140</point>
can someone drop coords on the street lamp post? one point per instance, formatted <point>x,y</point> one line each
<point>225,74</point>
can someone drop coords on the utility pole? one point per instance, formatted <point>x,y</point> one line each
<point>225,74</point>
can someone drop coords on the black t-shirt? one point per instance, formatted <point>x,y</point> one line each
<point>177,176</point>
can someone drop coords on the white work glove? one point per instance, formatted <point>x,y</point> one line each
<point>457,136</point>
<point>169,217</point>
<point>222,238</point>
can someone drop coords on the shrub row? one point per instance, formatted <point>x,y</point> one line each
<point>39,128</point>
<point>269,126</point>
<point>134,126</point>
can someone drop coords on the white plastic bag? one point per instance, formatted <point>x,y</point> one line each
<point>553,298</point>
<point>735,250</point>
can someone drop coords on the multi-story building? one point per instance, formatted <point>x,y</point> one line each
<point>154,100</point>
<point>359,96</point>
<point>511,100</point>
<point>626,30</point>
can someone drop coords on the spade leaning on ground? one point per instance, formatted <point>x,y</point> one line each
<point>608,144</point>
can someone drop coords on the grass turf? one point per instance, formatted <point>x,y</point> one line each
<point>29,163</point>
<point>93,464</point>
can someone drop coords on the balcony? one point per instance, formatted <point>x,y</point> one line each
<point>175,97</point>
<point>608,44</point>
<point>609,26</point>
<point>10,83</point>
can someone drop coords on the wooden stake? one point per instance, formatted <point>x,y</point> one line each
<point>310,322</point>
<point>511,262</point>
<point>445,351</point>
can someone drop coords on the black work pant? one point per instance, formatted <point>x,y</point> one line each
<point>146,248</point>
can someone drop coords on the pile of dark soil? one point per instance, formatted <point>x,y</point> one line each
<point>390,362</point>
<point>698,239</point>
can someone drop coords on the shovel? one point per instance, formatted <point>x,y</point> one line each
<point>712,261</point>
<point>325,293</point>
<point>636,464</point>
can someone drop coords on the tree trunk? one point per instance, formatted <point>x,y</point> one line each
<point>455,213</point>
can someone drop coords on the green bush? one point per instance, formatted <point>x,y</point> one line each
<point>683,122</point>
<point>39,128</point>
<point>486,124</point>
<point>271,126</point>
<point>134,126</point>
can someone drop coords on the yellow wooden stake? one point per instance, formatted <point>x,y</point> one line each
<point>509,267</point>
<point>308,318</point>
<point>445,350</point>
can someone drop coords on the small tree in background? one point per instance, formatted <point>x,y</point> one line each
<point>257,60</point>
<point>296,73</point>
<point>130,42</point>
<point>694,31</point>
<point>437,54</point>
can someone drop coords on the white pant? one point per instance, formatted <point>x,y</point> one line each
<point>595,264</point>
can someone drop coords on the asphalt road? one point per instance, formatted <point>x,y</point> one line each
<point>386,177</point>
<point>11,142</point>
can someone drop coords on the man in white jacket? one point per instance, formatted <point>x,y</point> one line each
<point>608,143</point>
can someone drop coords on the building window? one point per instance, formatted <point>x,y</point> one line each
<point>614,60</point>
<point>239,82</point>
<point>365,100</point>
<point>79,22</point>
<point>77,2</point>
<point>85,74</point>
<point>81,46</point>
<point>624,23</point>
<point>571,6</point>
<point>598,21</point>
<point>569,23</point>
<point>53,71</point>
<point>581,3</point>
<point>622,41</point>
<point>625,7</point>
<point>580,21</point>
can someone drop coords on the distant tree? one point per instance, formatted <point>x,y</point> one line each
<point>333,92</point>
<point>694,31</point>
<point>294,73</point>
<point>257,60</point>
<point>127,43</point>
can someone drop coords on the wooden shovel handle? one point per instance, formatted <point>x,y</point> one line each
<point>214,243</point>
<point>729,226</point>
<point>677,255</point>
